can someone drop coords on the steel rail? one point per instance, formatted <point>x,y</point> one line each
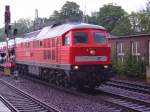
<point>25,102</point>
<point>8,105</point>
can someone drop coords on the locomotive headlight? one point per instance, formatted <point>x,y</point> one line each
<point>76,67</point>
<point>92,52</point>
<point>105,66</point>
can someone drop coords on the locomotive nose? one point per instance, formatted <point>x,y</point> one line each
<point>91,55</point>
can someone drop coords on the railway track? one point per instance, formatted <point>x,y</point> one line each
<point>134,103</point>
<point>10,106</point>
<point>21,101</point>
<point>137,103</point>
<point>107,96</point>
<point>144,89</point>
<point>99,96</point>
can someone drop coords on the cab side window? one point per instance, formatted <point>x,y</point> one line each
<point>66,41</point>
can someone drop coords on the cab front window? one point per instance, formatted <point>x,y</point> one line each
<point>80,37</point>
<point>99,37</point>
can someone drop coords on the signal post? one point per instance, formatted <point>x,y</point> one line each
<point>7,17</point>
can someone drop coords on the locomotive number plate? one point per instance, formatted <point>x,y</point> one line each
<point>90,58</point>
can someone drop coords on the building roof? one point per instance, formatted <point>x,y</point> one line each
<point>129,36</point>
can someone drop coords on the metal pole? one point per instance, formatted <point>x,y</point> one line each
<point>14,49</point>
<point>15,72</point>
<point>15,33</point>
<point>7,52</point>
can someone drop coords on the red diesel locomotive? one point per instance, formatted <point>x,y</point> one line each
<point>71,54</point>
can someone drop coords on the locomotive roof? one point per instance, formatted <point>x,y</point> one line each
<point>11,42</point>
<point>32,34</point>
<point>48,32</point>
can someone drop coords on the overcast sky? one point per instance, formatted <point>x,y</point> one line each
<point>26,8</point>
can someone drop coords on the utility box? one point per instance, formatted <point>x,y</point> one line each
<point>148,74</point>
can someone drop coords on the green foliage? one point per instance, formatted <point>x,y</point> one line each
<point>109,16</point>
<point>123,27</point>
<point>55,16</point>
<point>1,34</point>
<point>93,19</point>
<point>140,22</point>
<point>148,7</point>
<point>118,68</point>
<point>70,11</point>
<point>131,68</point>
<point>23,26</point>
<point>134,68</point>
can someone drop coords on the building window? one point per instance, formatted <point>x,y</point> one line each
<point>120,53</point>
<point>135,46</point>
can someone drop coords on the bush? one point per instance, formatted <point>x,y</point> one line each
<point>131,67</point>
<point>118,68</point>
<point>135,68</point>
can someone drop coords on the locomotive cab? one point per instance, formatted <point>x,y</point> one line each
<point>87,46</point>
<point>89,55</point>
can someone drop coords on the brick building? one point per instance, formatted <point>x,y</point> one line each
<point>135,45</point>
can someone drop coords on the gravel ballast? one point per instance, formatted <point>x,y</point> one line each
<point>63,101</point>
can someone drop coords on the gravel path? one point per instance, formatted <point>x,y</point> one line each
<point>61,100</point>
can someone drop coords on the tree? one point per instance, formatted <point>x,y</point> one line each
<point>148,7</point>
<point>2,34</point>
<point>140,22</point>
<point>147,12</point>
<point>93,19</point>
<point>123,27</point>
<point>70,11</point>
<point>23,26</point>
<point>109,15</point>
<point>40,23</point>
<point>55,16</point>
